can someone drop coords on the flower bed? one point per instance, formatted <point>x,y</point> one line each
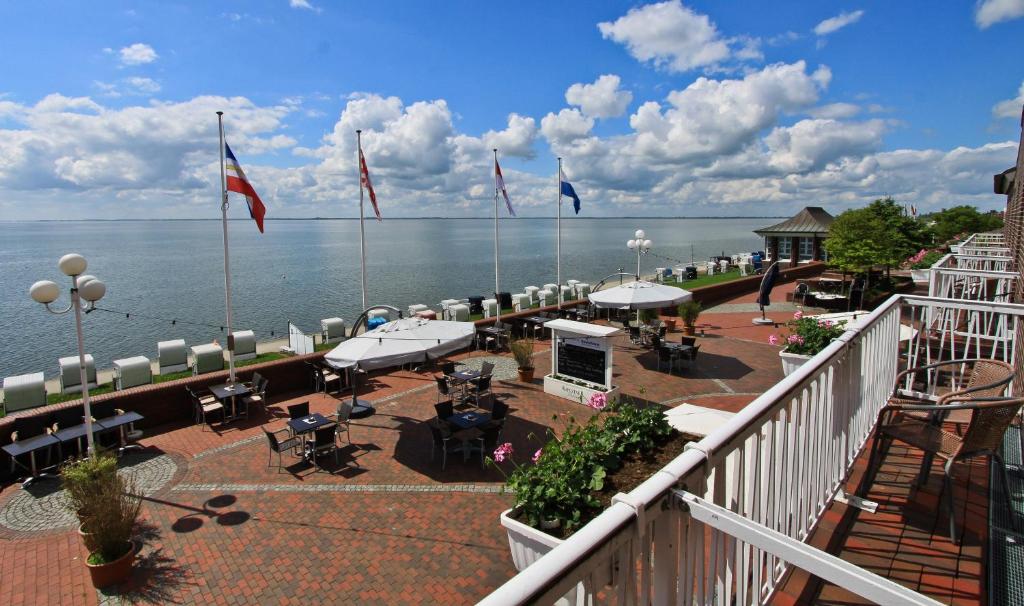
<point>808,336</point>
<point>573,478</point>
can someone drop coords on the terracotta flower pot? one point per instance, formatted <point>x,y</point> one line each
<point>526,375</point>
<point>111,573</point>
<point>689,330</point>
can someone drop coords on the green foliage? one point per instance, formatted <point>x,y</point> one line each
<point>568,472</point>
<point>689,311</point>
<point>648,315</point>
<point>947,224</point>
<point>522,351</point>
<point>105,504</point>
<point>929,259</point>
<point>808,336</point>
<point>878,234</point>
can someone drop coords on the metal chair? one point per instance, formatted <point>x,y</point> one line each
<point>444,391</point>
<point>278,446</point>
<point>323,441</point>
<point>258,395</point>
<point>984,435</point>
<point>499,411</point>
<point>440,438</point>
<point>667,354</point>
<point>325,376</point>
<point>204,406</point>
<point>444,410</point>
<point>483,386</point>
<point>634,335</point>
<point>343,418</point>
<point>488,441</point>
<point>447,368</point>
<point>298,411</point>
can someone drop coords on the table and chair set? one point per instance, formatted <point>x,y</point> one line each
<point>227,402</point>
<point>310,435</point>
<point>462,424</point>
<point>65,431</point>
<point>654,336</point>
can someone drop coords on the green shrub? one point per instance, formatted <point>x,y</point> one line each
<point>105,503</point>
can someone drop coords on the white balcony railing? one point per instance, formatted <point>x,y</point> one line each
<point>972,278</point>
<point>754,490</point>
<point>983,244</point>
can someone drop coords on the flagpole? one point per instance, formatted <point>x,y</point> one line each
<point>558,238</point>
<point>362,234</point>
<point>227,271</point>
<point>497,290</point>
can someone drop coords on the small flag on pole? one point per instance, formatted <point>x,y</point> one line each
<point>499,182</point>
<point>913,210</point>
<point>364,181</point>
<point>238,183</point>
<point>567,190</point>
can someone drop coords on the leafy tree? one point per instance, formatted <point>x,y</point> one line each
<point>947,224</point>
<point>879,234</point>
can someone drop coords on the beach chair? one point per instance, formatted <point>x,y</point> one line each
<point>520,302</point>
<point>459,312</point>
<point>546,297</point>
<point>171,356</point>
<point>332,330</point>
<point>132,372</point>
<point>208,357</point>
<point>491,307</point>
<point>71,374</point>
<point>243,343</point>
<point>531,291</point>
<point>24,391</point>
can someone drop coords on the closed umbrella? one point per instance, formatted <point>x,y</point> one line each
<point>767,284</point>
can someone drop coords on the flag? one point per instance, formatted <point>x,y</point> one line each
<point>499,184</point>
<point>913,211</point>
<point>364,181</point>
<point>567,190</point>
<point>238,183</point>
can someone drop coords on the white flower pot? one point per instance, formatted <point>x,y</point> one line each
<point>529,544</point>
<point>792,361</point>
<point>574,392</point>
<point>920,276</point>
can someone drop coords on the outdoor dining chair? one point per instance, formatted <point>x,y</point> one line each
<point>204,406</point>
<point>666,354</point>
<point>691,341</point>
<point>298,411</point>
<point>441,438</point>
<point>324,376</point>
<point>984,379</point>
<point>989,418</point>
<point>279,446</point>
<point>323,441</point>
<point>488,441</point>
<point>25,428</point>
<point>499,411</point>
<point>447,368</point>
<point>343,417</point>
<point>634,335</point>
<point>482,386</point>
<point>444,391</point>
<point>258,396</point>
<point>444,410</point>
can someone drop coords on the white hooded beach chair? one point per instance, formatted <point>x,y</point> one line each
<point>132,372</point>
<point>208,357</point>
<point>71,374</point>
<point>332,330</point>
<point>24,391</point>
<point>171,356</point>
<point>244,344</point>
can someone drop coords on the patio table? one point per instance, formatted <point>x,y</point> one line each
<point>498,333</point>
<point>29,446</point>
<point>470,420</point>
<point>120,422</point>
<point>306,425</point>
<point>229,391</point>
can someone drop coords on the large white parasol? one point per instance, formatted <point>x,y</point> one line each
<point>639,295</point>
<point>405,341</point>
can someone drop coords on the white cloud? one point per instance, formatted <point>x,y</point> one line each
<point>303,4</point>
<point>144,85</point>
<point>566,126</point>
<point>137,54</point>
<point>990,12</point>
<point>602,99</point>
<point>128,86</point>
<point>833,24</point>
<point>669,35</point>
<point>834,111</point>
<point>811,144</point>
<point>1010,108</point>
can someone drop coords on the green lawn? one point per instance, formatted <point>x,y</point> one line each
<point>705,280</point>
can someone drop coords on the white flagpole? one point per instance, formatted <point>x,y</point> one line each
<point>362,234</point>
<point>558,238</point>
<point>227,271</point>
<point>496,286</point>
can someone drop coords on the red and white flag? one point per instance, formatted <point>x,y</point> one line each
<point>238,183</point>
<point>499,184</point>
<point>364,181</point>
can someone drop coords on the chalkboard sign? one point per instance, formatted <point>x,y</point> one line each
<point>581,362</point>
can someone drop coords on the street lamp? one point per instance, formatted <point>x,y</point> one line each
<point>82,287</point>
<point>641,246</point>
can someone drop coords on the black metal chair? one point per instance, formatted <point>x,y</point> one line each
<point>667,354</point>
<point>325,376</point>
<point>444,390</point>
<point>258,396</point>
<point>444,410</point>
<point>279,446</point>
<point>499,411</point>
<point>691,341</point>
<point>323,441</point>
<point>447,368</point>
<point>440,438</point>
<point>298,411</point>
<point>483,386</point>
<point>634,335</point>
<point>25,428</point>
<point>488,441</point>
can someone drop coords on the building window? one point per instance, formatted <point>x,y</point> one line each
<point>785,249</point>
<point>806,249</point>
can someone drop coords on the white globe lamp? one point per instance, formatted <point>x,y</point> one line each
<point>72,264</point>
<point>44,291</point>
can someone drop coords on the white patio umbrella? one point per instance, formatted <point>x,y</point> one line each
<point>639,295</point>
<point>404,341</point>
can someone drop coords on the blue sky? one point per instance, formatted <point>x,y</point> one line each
<point>673,108</point>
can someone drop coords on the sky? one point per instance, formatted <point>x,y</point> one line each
<point>727,108</point>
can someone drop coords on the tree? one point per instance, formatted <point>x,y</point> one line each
<point>951,222</point>
<point>878,234</point>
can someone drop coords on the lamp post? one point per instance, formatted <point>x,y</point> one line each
<point>641,246</point>
<point>82,287</point>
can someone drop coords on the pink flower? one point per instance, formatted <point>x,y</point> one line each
<point>536,455</point>
<point>503,452</point>
<point>794,339</point>
<point>799,314</point>
<point>598,401</point>
<point>773,340</point>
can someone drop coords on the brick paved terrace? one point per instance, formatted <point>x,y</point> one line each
<point>386,524</point>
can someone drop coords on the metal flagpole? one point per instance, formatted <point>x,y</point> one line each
<point>496,287</point>
<point>558,238</point>
<point>362,234</point>
<point>227,270</point>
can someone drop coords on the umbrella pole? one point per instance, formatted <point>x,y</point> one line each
<point>360,408</point>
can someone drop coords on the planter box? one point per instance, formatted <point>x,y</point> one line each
<point>791,361</point>
<point>920,275</point>
<point>572,391</point>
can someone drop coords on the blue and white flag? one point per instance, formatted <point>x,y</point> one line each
<point>567,190</point>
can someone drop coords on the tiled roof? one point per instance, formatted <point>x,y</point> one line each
<point>811,220</point>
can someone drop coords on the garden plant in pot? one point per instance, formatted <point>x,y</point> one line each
<point>688,313</point>
<point>522,351</point>
<point>107,509</point>
<point>807,337</point>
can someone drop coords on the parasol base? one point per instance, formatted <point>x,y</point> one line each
<point>763,321</point>
<point>362,409</point>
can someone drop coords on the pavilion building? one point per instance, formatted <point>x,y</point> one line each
<point>798,239</point>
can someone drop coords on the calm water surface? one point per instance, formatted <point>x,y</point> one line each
<point>301,271</point>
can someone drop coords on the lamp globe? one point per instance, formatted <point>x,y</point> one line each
<point>72,264</point>
<point>44,291</point>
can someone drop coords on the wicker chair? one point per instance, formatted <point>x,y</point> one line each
<point>987,379</point>
<point>989,419</point>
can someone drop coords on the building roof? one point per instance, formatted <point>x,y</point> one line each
<point>811,220</point>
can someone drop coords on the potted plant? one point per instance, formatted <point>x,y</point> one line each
<point>807,337</point>
<point>107,509</point>
<point>688,312</point>
<point>522,351</point>
<point>921,263</point>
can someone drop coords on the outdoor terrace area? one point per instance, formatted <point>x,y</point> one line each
<point>386,524</point>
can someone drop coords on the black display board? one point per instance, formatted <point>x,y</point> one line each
<point>581,362</point>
